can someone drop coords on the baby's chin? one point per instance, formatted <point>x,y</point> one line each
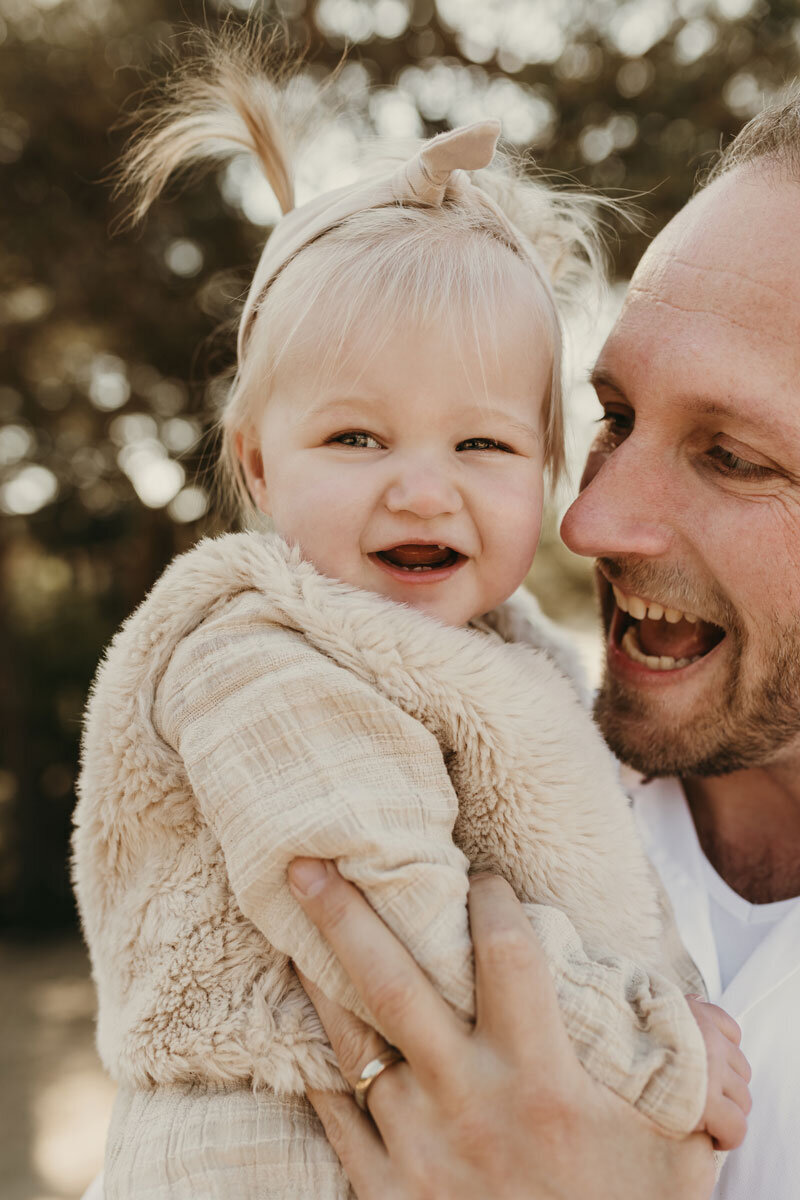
<point>455,611</point>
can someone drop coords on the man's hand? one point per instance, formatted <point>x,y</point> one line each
<point>504,1110</point>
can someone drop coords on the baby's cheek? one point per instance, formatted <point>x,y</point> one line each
<point>510,562</point>
<point>522,524</point>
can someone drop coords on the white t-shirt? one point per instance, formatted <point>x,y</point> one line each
<point>749,957</point>
<point>738,926</point>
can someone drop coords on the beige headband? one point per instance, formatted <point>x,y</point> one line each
<point>437,170</point>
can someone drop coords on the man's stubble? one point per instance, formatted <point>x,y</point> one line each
<point>744,723</point>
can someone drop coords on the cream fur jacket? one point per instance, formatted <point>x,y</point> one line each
<point>251,711</point>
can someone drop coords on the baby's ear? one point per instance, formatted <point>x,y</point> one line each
<point>249,454</point>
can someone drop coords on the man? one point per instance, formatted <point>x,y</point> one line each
<point>690,504</point>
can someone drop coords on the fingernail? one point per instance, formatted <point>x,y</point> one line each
<point>307,876</point>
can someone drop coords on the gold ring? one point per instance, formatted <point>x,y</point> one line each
<point>374,1068</point>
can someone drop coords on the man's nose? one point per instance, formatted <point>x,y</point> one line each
<point>424,488</point>
<point>623,508</point>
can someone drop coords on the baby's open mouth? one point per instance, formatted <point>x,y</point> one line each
<point>660,638</point>
<point>419,557</point>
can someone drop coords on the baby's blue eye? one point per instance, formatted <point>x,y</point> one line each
<point>480,443</point>
<point>358,439</point>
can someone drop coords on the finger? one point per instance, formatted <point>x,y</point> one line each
<point>723,1021</point>
<point>406,1006</point>
<point>515,997</point>
<point>356,1142</point>
<point>737,1090</point>
<point>738,1063</point>
<point>728,1125</point>
<point>354,1043</point>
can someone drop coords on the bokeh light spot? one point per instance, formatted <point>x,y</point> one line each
<point>108,382</point>
<point>15,443</point>
<point>29,490</point>
<point>184,257</point>
<point>189,505</point>
<point>743,94</point>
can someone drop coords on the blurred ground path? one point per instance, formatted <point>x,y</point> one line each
<point>56,1099</point>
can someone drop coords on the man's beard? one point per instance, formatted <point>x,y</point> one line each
<point>745,723</point>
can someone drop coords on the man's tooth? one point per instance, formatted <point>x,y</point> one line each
<point>663,662</point>
<point>630,646</point>
<point>628,643</point>
<point>672,615</point>
<point>637,608</point>
<point>655,612</point>
<point>620,598</point>
<point>691,618</point>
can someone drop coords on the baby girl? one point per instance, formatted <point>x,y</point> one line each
<point>366,683</point>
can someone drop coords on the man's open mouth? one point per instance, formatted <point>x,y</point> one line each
<point>419,558</point>
<point>658,637</point>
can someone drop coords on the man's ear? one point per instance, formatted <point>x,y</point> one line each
<point>249,454</point>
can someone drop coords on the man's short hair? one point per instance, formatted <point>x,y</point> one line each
<point>773,135</point>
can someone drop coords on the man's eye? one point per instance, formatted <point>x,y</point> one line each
<point>479,443</point>
<point>618,423</point>
<point>731,464</point>
<point>357,438</point>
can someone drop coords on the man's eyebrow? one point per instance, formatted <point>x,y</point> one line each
<point>763,423</point>
<point>713,408</point>
<point>600,377</point>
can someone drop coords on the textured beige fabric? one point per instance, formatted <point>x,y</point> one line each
<point>192,1142</point>
<point>252,710</point>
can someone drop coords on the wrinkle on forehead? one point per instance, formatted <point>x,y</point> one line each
<point>686,287</point>
<point>709,268</point>
<point>653,297</point>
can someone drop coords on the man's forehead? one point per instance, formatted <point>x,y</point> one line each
<point>713,309</point>
<point>735,248</point>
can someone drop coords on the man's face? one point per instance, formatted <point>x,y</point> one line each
<point>691,496</point>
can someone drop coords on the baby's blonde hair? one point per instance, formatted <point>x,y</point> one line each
<point>379,264</point>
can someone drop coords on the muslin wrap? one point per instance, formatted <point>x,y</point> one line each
<point>252,710</point>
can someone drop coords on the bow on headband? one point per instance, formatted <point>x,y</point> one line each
<point>425,178</point>
<point>435,171</point>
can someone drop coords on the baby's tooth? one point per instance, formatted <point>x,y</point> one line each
<point>672,615</point>
<point>655,612</point>
<point>637,608</point>
<point>620,599</point>
<point>691,618</point>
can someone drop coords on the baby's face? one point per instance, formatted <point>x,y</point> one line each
<point>417,476</point>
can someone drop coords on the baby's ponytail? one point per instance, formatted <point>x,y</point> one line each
<point>225,99</point>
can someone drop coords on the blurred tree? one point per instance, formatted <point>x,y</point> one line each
<point>104,396</point>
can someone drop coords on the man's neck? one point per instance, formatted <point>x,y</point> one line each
<point>748,824</point>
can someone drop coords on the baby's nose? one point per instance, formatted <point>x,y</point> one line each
<point>425,490</point>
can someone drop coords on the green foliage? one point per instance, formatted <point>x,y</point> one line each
<point>109,342</point>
